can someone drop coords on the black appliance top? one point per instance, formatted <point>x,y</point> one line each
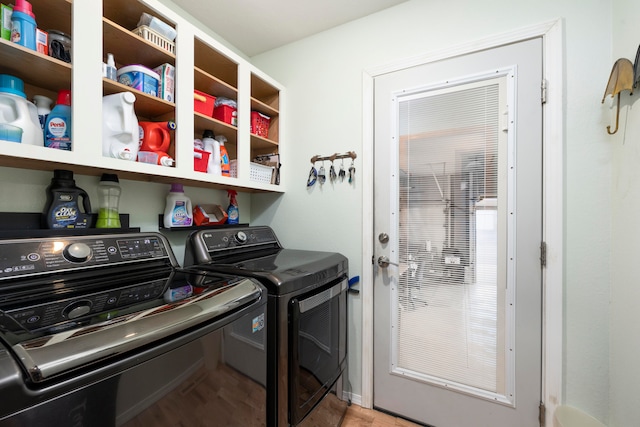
<point>256,252</point>
<point>67,302</point>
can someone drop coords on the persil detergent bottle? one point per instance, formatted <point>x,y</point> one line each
<point>178,211</point>
<point>57,129</point>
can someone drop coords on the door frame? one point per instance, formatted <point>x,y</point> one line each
<point>553,191</point>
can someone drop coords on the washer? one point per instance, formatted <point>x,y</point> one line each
<point>106,330</point>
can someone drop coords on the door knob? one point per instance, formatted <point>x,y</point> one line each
<point>384,262</point>
<point>383,238</point>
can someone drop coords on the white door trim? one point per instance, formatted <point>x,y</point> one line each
<point>553,214</point>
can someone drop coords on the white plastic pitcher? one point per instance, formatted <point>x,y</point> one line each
<point>120,136</point>
<point>17,111</point>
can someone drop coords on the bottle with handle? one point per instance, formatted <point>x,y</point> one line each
<point>225,167</point>
<point>63,209</point>
<point>43,104</point>
<point>178,210</point>
<point>212,146</point>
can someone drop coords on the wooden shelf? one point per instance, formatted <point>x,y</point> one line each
<point>127,12</point>
<point>211,85</point>
<point>258,105</point>
<point>129,48</point>
<point>202,122</point>
<point>209,60</point>
<point>264,93</point>
<point>262,145</point>
<point>34,68</point>
<point>146,106</point>
<point>52,14</point>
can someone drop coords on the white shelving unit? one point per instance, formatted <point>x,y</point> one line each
<point>201,63</point>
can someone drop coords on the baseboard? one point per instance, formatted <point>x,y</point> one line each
<point>355,398</point>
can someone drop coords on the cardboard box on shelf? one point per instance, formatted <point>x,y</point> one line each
<point>209,215</point>
<point>5,21</point>
<point>167,73</point>
<point>42,41</point>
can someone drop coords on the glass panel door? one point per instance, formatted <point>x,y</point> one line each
<point>450,209</point>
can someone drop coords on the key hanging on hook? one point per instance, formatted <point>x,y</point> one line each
<point>352,172</point>
<point>313,175</point>
<point>332,173</point>
<point>321,174</point>
<point>342,173</point>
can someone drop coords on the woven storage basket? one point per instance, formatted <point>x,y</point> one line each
<point>151,36</point>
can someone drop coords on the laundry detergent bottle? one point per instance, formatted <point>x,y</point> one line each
<point>57,128</point>
<point>62,209</point>
<point>225,165</point>
<point>23,25</point>
<point>120,131</point>
<point>178,211</point>
<point>18,116</point>
<point>212,146</point>
<point>43,105</point>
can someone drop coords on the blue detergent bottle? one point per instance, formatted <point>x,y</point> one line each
<point>232,211</point>
<point>57,130</point>
<point>23,25</point>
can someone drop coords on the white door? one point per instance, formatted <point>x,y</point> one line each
<point>458,228</point>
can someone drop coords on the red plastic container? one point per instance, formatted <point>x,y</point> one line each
<point>200,160</point>
<point>227,114</point>
<point>260,124</point>
<point>156,136</point>
<point>203,103</point>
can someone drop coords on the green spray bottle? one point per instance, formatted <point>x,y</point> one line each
<point>232,211</point>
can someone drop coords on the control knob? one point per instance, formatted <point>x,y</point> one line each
<point>240,237</point>
<point>77,252</point>
<point>77,309</point>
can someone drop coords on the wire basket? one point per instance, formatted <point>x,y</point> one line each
<point>257,172</point>
<point>151,36</point>
<point>260,173</point>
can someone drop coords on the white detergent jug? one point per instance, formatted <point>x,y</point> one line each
<point>17,111</point>
<point>120,134</point>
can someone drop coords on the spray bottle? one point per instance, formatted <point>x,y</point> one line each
<point>232,210</point>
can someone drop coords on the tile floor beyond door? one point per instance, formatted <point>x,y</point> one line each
<point>357,416</point>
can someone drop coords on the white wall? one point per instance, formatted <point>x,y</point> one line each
<point>25,191</point>
<point>625,188</point>
<point>323,77</point>
<point>323,104</point>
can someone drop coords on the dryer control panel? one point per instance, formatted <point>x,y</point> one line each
<point>227,239</point>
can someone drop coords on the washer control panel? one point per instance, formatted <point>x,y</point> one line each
<point>23,257</point>
<point>60,312</point>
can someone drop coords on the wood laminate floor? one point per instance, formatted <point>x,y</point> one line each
<point>357,416</point>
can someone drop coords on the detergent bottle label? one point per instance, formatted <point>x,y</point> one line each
<point>57,136</point>
<point>65,215</point>
<point>180,216</point>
